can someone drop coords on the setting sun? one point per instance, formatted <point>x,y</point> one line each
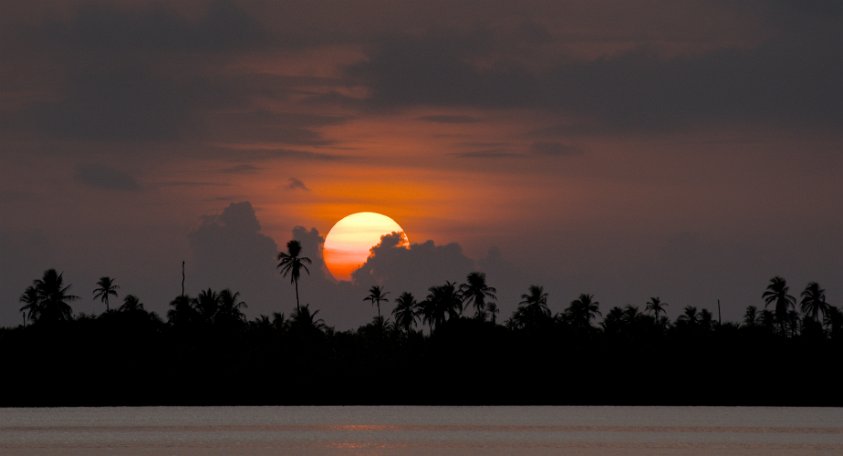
<point>348,244</point>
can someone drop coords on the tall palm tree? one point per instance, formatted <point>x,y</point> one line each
<point>30,302</point>
<point>582,310</point>
<point>475,291</point>
<point>291,263</point>
<point>655,305</point>
<point>376,297</point>
<point>405,311</point>
<point>777,294</point>
<point>106,287</point>
<point>813,301</point>
<point>53,297</point>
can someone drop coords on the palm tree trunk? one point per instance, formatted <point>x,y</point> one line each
<point>297,294</point>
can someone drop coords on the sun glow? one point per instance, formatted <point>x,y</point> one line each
<point>348,243</point>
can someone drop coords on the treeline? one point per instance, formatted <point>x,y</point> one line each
<point>448,347</point>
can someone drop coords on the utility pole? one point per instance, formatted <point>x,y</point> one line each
<point>719,317</point>
<point>182,277</point>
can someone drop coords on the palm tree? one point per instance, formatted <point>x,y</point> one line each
<point>582,310</point>
<point>777,294</point>
<point>750,317</point>
<point>305,322</point>
<point>532,311</point>
<point>493,311</point>
<point>813,301</point>
<point>376,297</point>
<point>207,304</point>
<point>655,305</point>
<point>291,263</point>
<point>228,310</point>
<point>475,291</point>
<point>30,301</point>
<point>442,302</point>
<point>690,316</point>
<point>106,287</point>
<point>131,303</point>
<point>183,312</point>
<point>53,297</point>
<point>405,311</point>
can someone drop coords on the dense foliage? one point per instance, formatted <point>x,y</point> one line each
<point>446,348</point>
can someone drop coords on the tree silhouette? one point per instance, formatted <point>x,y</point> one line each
<point>655,305</point>
<point>690,316</point>
<point>813,301</point>
<point>304,322</point>
<point>131,303</point>
<point>376,297</point>
<point>106,287</point>
<point>228,308</point>
<point>53,297</point>
<point>442,302</point>
<point>777,294</point>
<point>291,263</point>
<point>475,292</point>
<point>405,311</point>
<point>30,302</point>
<point>182,312</point>
<point>493,310</point>
<point>582,310</point>
<point>532,311</point>
<point>750,317</point>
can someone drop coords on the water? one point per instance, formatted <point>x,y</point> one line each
<point>421,431</point>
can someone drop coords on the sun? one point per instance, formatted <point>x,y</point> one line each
<point>348,244</point>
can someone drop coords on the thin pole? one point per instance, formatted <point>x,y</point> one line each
<point>719,317</point>
<point>182,278</point>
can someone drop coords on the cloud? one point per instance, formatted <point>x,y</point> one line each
<point>105,177</point>
<point>493,153</point>
<point>789,79</point>
<point>553,149</point>
<point>414,268</point>
<point>229,250</point>
<point>296,184</point>
<point>450,119</point>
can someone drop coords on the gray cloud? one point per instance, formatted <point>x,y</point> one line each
<point>296,184</point>
<point>450,119</point>
<point>229,251</point>
<point>105,177</point>
<point>553,149</point>
<point>487,154</point>
<point>790,78</point>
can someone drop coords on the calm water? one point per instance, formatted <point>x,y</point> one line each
<point>422,431</point>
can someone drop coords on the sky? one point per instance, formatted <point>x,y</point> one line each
<point>689,150</point>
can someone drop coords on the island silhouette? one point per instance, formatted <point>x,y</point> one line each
<point>447,347</point>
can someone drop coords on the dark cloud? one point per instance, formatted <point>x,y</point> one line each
<point>791,78</point>
<point>414,268</point>
<point>487,154</point>
<point>296,184</point>
<point>105,177</point>
<point>241,169</point>
<point>229,251</point>
<point>449,119</point>
<point>108,28</point>
<point>553,149</point>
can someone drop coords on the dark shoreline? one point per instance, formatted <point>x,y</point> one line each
<point>107,362</point>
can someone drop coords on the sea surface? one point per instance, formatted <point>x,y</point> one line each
<point>421,431</point>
